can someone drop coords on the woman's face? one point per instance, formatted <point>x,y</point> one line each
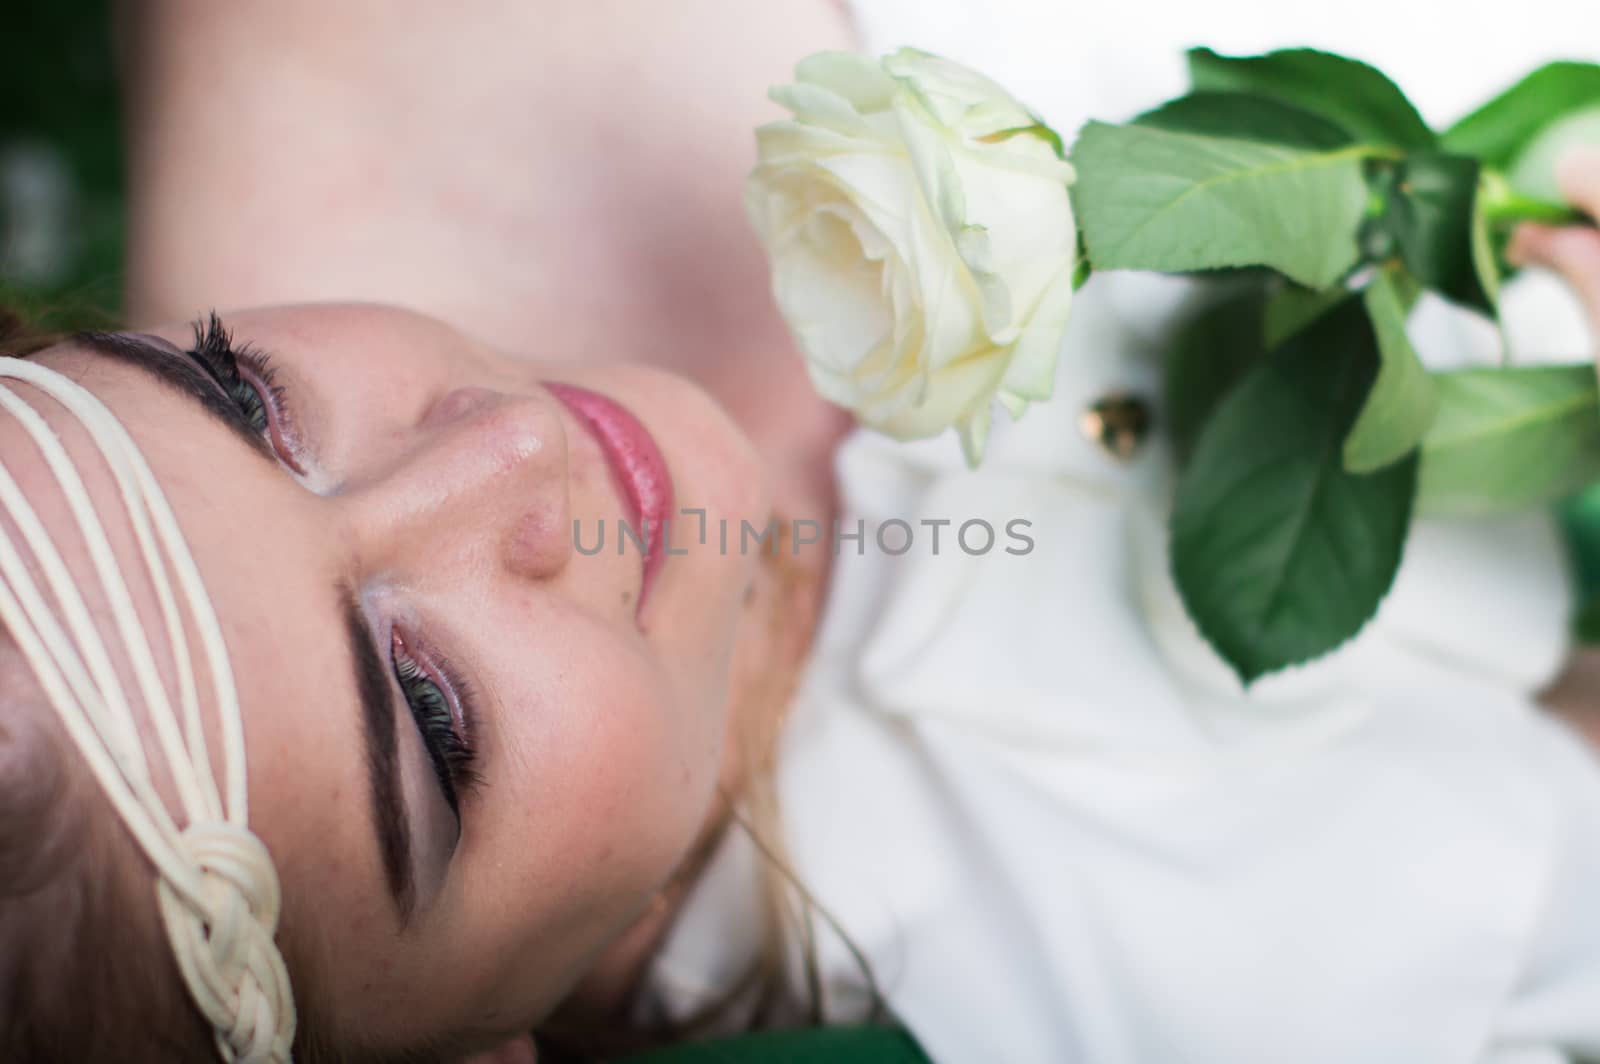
<point>395,571</point>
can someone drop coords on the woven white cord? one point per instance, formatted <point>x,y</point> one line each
<point>217,887</point>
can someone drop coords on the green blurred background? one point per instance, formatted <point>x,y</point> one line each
<point>61,211</point>
<point>60,165</point>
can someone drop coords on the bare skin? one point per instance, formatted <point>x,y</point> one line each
<point>477,164</point>
<point>560,203</point>
<point>437,522</point>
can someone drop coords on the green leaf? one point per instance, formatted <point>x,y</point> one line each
<point>1580,523</point>
<point>1507,439</point>
<point>1209,355</point>
<point>1504,207</point>
<point>1279,552</point>
<point>1149,199</point>
<point>1294,308</point>
<point>1533,173</point>
<point>1485,259</point>
<point>1586,626</point>
<point>1433,216</point>
<point>1231,114</point>
<point>1352,95</point>
<point>1400,406</point>
<point>1497,132</point>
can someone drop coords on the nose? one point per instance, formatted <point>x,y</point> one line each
<point>480,479</point>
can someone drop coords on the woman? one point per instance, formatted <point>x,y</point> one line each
<point>603,721</point>
<point>384,520</point>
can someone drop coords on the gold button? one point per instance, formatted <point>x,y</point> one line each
<point>1118,422</point>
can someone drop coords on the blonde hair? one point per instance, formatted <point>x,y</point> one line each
<point>73,889</point>
<point>790,911</point>
<point>215,881</point>
<point>77,893</point>
<point>765,994</point>
<point>73,892</point>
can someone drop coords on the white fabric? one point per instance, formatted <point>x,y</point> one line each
<point>216,885</point>
<point>1043,807</point>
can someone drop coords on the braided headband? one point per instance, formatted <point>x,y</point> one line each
<point>216,884</point>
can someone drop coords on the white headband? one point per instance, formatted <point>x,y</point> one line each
<point>216,885</point>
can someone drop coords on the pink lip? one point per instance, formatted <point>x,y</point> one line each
<point>637,465</point>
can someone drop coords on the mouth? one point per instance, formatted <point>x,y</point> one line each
<point>637,467</point>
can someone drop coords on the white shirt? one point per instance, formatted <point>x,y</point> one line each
<point>1041,805</point>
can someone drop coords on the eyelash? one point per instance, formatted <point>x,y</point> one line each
<point>254,389</point>
<point>448,748</point>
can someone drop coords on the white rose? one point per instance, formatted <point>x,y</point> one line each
<point>921,239</point>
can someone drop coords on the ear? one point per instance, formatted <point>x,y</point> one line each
<point>519,1050</point>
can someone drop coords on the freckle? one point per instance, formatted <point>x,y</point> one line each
<point>749,594</point>
<point>627,597</point>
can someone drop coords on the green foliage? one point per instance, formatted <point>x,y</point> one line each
<point>1208,357</point>
<point>1152,199</point>
<point>1533,173</point>
<point>1487,250</point>
<point>58,84</point>
<point>1352,95</point>
<point>1259,118</point>
<point>1280,553</point>
<point>1506,439</point>
<point>1586,627</point>
<point>1399,408</point>
<point>1501,129</point>
<point>1580,523</point>
<point>1293,308</point>
<point>1305,425</point>
<point>1432,203</point>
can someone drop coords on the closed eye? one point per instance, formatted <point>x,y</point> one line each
<point>246,375</point>
<point>444,731</point>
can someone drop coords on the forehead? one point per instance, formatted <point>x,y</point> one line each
<point>265,560</point>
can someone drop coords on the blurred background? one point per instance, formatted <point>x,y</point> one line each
<point>60,166</point>
<point>61,211</point>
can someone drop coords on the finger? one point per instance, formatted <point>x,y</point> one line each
<point>1527,241</point>
<point>1578,176</point>
<point>1570,251</point>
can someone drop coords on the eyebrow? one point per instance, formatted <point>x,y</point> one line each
<point>378,730</point>
<point>177,372</point>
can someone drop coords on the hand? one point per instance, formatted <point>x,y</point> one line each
<point>1572,251</point>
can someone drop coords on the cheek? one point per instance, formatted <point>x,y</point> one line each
<point>592,797</point>
<point>612,769</point>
